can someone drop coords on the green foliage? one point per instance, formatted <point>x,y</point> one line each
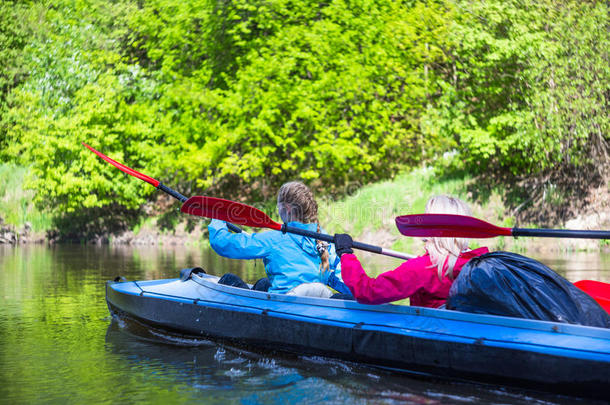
<point>527,90</point>
<point>80,89</point>
<point>238,97</point>
<point>16,206</point>
<point>13,35</point>
<point>371,210</point>
<point>14,32</point>
<point>263,92</point>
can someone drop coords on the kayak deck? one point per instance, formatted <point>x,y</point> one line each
<point>537,354</point>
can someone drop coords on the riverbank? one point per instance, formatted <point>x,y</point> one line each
<point>368,214</point>
<point>20,220</point>
<point>11,235</point>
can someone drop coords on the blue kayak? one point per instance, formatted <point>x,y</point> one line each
<point>540,355</point>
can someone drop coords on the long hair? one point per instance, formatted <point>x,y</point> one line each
<point>295,202</point>
<point>447,250</point>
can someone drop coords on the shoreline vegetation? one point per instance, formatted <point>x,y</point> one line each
<point>367,214</point>
<point>374,105</point>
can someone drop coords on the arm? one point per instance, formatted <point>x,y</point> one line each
<point>393,285</point>
<point>237,245</point>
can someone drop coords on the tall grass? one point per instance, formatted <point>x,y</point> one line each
<point>370,212</point>
<point>16,207</point>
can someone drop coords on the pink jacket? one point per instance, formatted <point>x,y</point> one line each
<point>416,279</point>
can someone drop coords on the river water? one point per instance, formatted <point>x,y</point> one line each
<point>58,343</point>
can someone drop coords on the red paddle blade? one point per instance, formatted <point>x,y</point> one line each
<point>230,211</point>
<point>124,168</point>
<point>598,290</point>
<point>448,226</point>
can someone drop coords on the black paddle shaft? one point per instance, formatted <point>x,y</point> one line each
<point>172,192</point>
<point>561,233</point>
<point>329,238</point>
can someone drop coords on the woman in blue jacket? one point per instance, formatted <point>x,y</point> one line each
<point>290,260</point>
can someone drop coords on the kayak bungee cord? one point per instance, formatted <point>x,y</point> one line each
<point>149,180</point>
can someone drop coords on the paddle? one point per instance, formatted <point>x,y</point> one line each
<point>149,180</point>
<point>460,226</point>
<point>599,291</point>
<point>243,214</point>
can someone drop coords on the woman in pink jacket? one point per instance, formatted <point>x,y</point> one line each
<point>425,279</point>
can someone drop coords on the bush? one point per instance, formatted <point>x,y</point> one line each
<point>235,97</point>
<point>525,96</point>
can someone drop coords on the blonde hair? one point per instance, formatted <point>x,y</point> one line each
<point>295,202</point>
<point>448,250</point>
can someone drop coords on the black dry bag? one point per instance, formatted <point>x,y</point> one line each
<point>508,284</point>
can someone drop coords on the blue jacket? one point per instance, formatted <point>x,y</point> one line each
<point>289,259</point>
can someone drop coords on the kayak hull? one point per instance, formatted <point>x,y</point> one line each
<point>541,355</point>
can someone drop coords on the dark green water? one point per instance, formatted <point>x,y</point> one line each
<point>58,343</point>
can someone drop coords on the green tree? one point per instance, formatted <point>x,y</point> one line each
<point>79,88</point>
<point>235,98</point>
<point>16,27</point>
<point>524,98</point>
<point>330,93</point>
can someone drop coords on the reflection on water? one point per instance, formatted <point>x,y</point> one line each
<point>579,265</point>
<point>58,343</point>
